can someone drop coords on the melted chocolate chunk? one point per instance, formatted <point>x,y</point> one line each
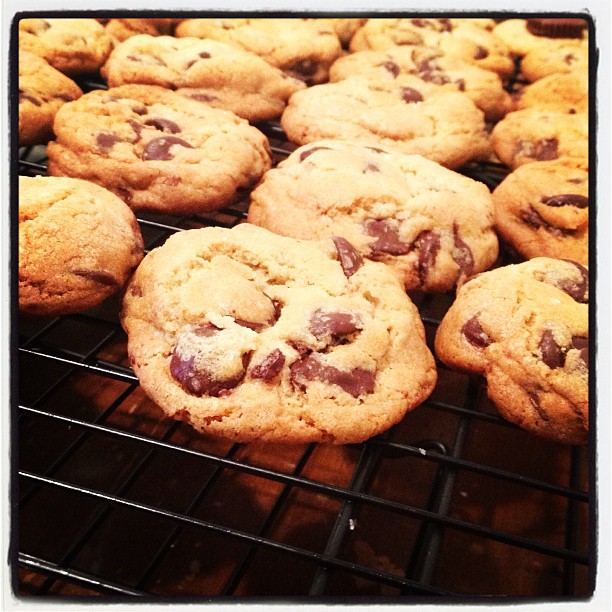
<point>462,254</point>
<point>535,402</point>
<point>308,152</point>
<point>159,148</point>
<point>556,27</point>
<point>582,344</point>
<point>387,237</point>
<point>552,354</point>
<point>324,322</point>
<point>428,245</point>
<point>202,97</point>
<point>546,149</point>
<point>567,199</point>
<point>204,55</point>
<point>411,95</point>
<point>106,140</point>
<point>356,382</point>
<point>164,125</point>
<point>350,259</point>
<point>434,76</point>
<point>577,290</point>
<point>391,67</point>
<point>474,333</point>
<point>137,127</point>
<point>481,53</point>
<point>270,367</point>
<point>534,220</point>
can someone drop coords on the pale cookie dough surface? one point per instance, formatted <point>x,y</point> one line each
<point>542,209</point>
<point>484,87</point>
<point>406,115</point>
<point>219,74</point>
<point>529,135</point>
<point>525,328</point>
<point>42,91</point>
<point>465,39</point>
<point>432,226</point>
<point>157,150</point>
<point>72,46</point>
<point>78,244</point>
<point>303,48</point>
<point>249,335</point>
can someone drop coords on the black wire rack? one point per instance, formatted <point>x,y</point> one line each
<point>113,499</point>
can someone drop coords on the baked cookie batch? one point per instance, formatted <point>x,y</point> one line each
<point>296,325</point>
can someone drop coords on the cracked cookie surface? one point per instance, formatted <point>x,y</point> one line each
<point>158,150</point>
<point>432,226</point>
<point>525,328</point>
<point>219,74</point>
<point>78,244</point>
<point>405,114</point>
<point>249,335</point>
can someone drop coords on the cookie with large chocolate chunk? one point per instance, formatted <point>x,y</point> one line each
<point>216,73</point>
<point>303,48</point>
<point>158,150</point>
<point>405,114</point>
<point>525,328</point>
<point>542,209</point>
<point>78,244</point>
<point>431,225</point>
<point>530,135</point>
<point>253,336</point>
<point>42,91</point>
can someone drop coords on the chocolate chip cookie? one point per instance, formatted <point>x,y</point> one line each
<point>468,39</point>
<point>525,328</point>
<point>484,87</point>
<point>253,336</point>
<point>219,74</point>
<point>405,114</point>
<point>432,226</point>
<point>530,135</point>
<point>158,150</point>
<point>572,56</point>
<point>78,244</point>
<point>42,91</point>
<point>564,92</point>
<point>72,46</point>
<point>124,28</point>
<point>303,48</point>
<point>542,209</point>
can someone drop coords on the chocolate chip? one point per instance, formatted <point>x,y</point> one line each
<point>411,95</point>
<point>325,322</point>
<point>552,354</point>
<point>567,199</point>
<point>391,67</point>
<point>460,84</point>
<point>371,167</point>
<point>204,55</point>
<point>569,59</point>
<point>387,237</point>
<point>105,140</point>
<point>535,402</point>
<point>164,125</point>
<point>546,149</point>
<point>350,259</point>
<point>428,245</point>
<point>481,53</point>
<point>99,276</point>
<point>582,344</point>
<point>202,97</point>
<point>356,382</point>
<point>270,367</point>
<point>257,327</point>
<point>534,220</point>
<point>159,148</point>
<point>577,290</point>
<point>474,333</point>
<point>146,58</point>
<point>304,68</point>
<point>437,77</point>
<point>462,254</point>
<point>308,152</point>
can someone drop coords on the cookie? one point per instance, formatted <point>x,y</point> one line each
<point>525,35</point>
<point>42,91</point>
<point>525,328</point>
<point>158,150</point>
<point>252,336</point>
<point>572,56</point>
<point>303,48</point>
<point>122,29</point>
<point>219,74</point>
<point>78,245</point>
<point>465,39</point>
<point>559,92</point>
<point>542,209</point>
<point>345,27</point>
<point>404,114</point>
<point>432,226</point>
<point>72,46</point>
<point>530,135</point>
<point>484,87</point>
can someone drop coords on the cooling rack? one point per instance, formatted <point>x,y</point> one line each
<point>112,499</point>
